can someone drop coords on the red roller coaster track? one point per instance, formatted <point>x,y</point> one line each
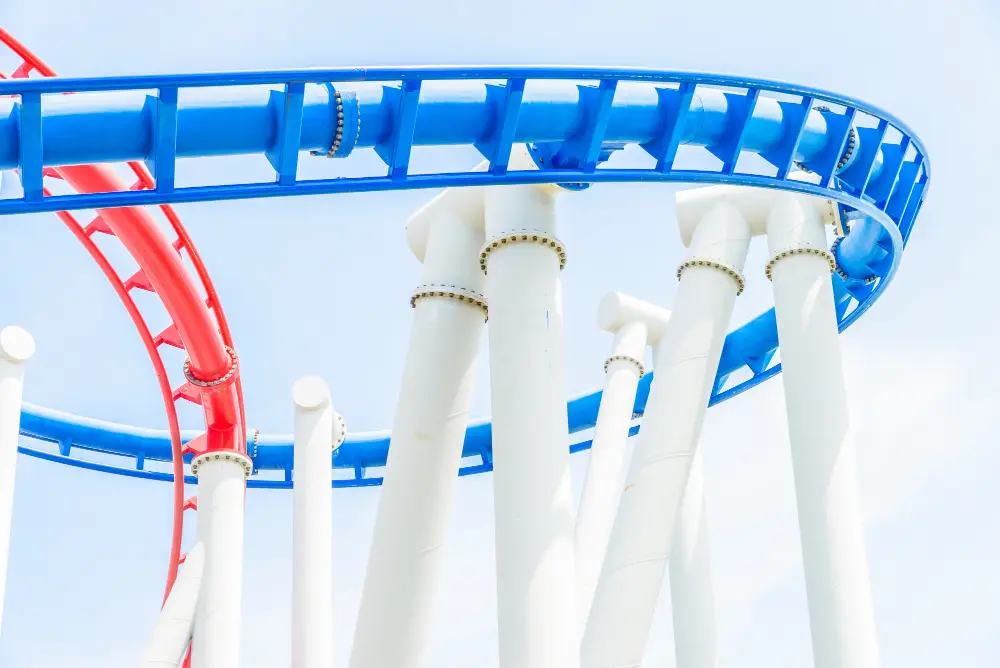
<point>198,325</point>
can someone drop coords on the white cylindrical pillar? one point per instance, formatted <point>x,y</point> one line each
<point>634,323</point>
<point>687,360</point>
<point>833,551</point>
<point>16,346</point>
<point>318,431</point>
<point>692,595</point>
<point>533,504</point>
<point>426,447</point>
<point>176,621</point>
<point>218,624</point>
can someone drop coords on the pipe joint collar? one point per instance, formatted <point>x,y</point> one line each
<point>470,297</point>
<point>712,263</point>
<point>198,462</point>
<point>522,237</point>
<point>625,358</point>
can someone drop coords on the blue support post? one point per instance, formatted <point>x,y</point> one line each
<point>396,151</point>
<point>497,148</point>
<point>728,151</point>
<point>783,156</point>
<point>162,163</point>
<point>678,104</point>
<point>284,157</point>
<point>880,187</point>
<point>30,158</point>
<point>857,175</point>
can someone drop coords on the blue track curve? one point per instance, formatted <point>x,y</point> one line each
<point>573,119</point>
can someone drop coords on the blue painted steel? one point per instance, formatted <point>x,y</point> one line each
<point>162,163</point>
<point>571,127</point>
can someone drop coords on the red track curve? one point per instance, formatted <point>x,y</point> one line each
<point>199,325</point>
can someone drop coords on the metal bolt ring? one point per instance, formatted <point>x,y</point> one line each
<point>234,366</point>
<point>523,236</point>
<point>730,271</point>
<point>804,250</point>
<point>625,358</point>
<point>470,297</point>
<point>843,274</point>
<point>236,457</point>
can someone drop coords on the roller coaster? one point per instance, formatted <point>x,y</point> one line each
<point>777,159</point>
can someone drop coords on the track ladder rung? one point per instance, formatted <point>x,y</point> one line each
<point>195,446</point>
<point>188,392</point>
<point>98,224</point>
<point>139,280</point>
<point>169,336</point>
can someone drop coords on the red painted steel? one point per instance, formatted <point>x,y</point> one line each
<point>198,325</point>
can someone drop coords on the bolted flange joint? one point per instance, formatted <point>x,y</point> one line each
<point>728,270</point>
<point>625,358</point>
<point>780,255</point>
<point>843,274</point>
<point>470,297</point>
<point>523,237</point>
<point>234,457</point>
<point>337,100</point>
<point>220,383</point>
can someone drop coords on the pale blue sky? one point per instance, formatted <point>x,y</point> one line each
<point>321,285</point>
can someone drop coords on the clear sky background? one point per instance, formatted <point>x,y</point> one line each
<point>321,285</point>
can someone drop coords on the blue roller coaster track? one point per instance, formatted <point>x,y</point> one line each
<point>572,120</point>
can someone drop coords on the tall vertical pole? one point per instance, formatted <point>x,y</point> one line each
<point>634,323</point>
<point>692,594</point>
<point>429,429</point>
<point>16,347</point>
<point>218,624</point>
<point>318,431</point>
<point>533,505</point>
<point>833,552</point>
<point>175,624</point>
<point>686,365</point>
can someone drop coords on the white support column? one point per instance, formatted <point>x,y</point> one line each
<point>533,505</point>
<point>318,431</point>
<point>833,551</point>
<point>428,433</point>
<point>218,624</point>
<point>634,323</point>
<point>692,594</point>
<point>687,360</point>
<point>175,624</point>
<point>16,346</point>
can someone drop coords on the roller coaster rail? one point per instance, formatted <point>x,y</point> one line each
<point>572,120</point>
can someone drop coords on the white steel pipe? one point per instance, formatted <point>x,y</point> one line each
<point>692,595</point>
<point>426,448</point>
<point>175,624</point>
<point>634,323</point>
<point>533,505</point>
<point>16,347</point>
<point>218,624</point>
<point>687,360</point>
<point>833,551</point>
<point>318,431</point>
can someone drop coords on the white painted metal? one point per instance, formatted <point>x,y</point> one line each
<point>833,551</point>
<point>318,430</point>
<point>533,505</point>
<point>218,624</point>
<point>692,594</point>
<point>175,624</point>
<point>426,447</point>
<point>16,347</point>
<point>687,360</point>
<point>634,323</point>
<point>753,203</point>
